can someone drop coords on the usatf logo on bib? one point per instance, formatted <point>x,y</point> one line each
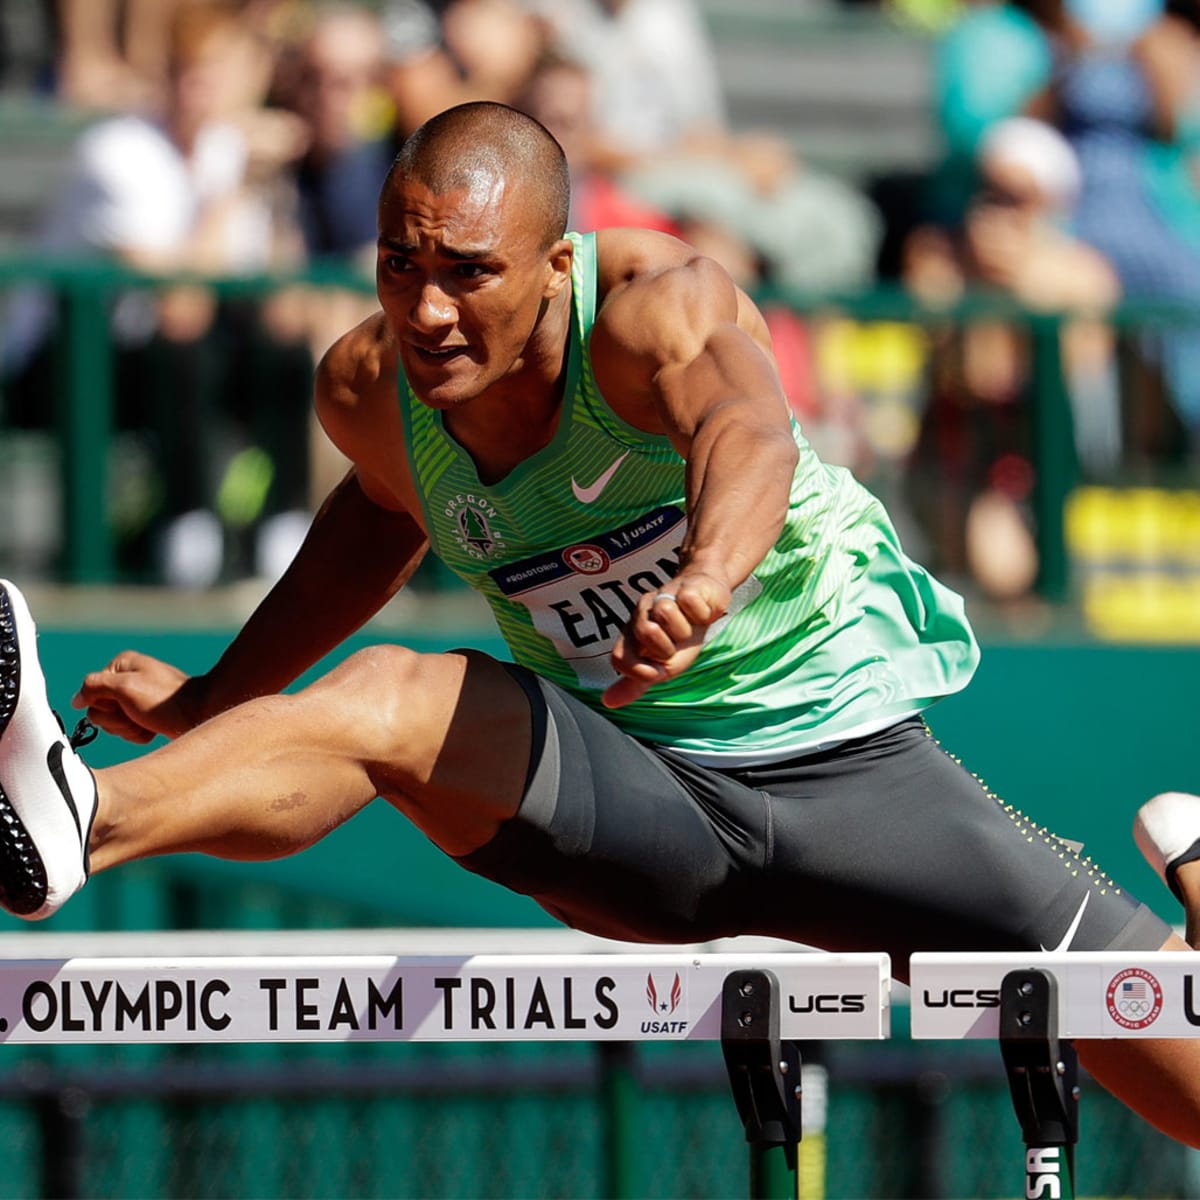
<point>1134,998</point>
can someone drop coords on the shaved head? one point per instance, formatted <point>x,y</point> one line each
<point>475,147</point>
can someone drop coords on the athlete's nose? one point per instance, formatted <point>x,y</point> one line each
<point>432,309</point>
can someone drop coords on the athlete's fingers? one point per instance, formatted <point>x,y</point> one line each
<point>639,674</point>
<point>625,691</point>
<point>631,655</point>
<point>113,719</point>
<point>700,597</point>
<point>113,678</point>
<point>660,627</point>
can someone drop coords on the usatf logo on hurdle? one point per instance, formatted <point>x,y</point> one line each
<point>593,997</point>
<point>1134,998</point>
<point>664,1006</point>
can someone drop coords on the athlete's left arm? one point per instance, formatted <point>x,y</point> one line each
<point>681,351</point>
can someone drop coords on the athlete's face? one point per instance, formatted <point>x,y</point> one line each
<point>464,281</point>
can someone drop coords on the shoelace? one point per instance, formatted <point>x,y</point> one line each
<point>83,733</point>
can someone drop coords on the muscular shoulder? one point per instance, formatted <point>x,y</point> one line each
<point>356,367</point>
<point>357,406</point>
<point>648,279</point>
<point>659,300</point>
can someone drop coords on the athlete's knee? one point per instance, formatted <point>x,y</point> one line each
<point>386,695</point>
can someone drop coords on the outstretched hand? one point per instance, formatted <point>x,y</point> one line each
<point>665,634</point>
<point>137,697</point>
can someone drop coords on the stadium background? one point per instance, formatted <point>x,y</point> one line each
<point>1084,706</point>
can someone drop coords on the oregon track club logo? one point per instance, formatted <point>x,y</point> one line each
<point>586,559</point>
<point>1135,998</point>
<point>474,531</point>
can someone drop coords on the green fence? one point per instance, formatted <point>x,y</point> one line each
<point>85,386</point>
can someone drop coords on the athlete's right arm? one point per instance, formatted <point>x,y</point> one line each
<point>363,545</point>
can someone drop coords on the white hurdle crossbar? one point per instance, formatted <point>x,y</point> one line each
<point>436,993</point>
<point>1036,1005</point>
<point>758,997</point>
<point>1100,994</point>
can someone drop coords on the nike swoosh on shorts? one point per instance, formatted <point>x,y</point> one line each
<point>1072,929</point>
<point>586,495</point>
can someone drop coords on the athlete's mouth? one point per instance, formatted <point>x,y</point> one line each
<point>440,354</point>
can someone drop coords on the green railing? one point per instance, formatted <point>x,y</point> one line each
<point>85,384</point>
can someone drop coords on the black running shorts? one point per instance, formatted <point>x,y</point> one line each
<point>881,843</point>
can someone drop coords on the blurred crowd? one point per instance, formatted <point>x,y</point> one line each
<point>249,136</point>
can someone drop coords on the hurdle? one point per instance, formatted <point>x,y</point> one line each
<point>1036,1006</point>
<point>760,998</point>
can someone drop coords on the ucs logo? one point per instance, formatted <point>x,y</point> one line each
<point>828,1002</point>
<point>962,998</point>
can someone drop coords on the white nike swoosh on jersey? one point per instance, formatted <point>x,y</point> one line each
<point>1069,936</point>
<point>585,495</point>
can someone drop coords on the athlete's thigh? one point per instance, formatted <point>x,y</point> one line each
<point>888,843</point>
<point>446,737</point>
<point>614,838</point>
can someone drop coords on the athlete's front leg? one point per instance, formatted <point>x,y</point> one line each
<point>445,737</point>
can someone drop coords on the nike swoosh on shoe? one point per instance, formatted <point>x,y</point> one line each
<point>591,493</point>
<point>47,793</point>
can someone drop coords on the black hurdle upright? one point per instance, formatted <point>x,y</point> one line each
<point>1042,1076</point>
<point>764,1072</point>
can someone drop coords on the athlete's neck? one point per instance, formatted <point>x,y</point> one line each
<point>518,416</point>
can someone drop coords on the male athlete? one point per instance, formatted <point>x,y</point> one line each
<point>711,725</point>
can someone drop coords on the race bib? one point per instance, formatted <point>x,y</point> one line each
<point>582,596</point>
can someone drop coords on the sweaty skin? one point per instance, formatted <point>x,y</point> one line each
<point>479,320</point>
<point>475,307</point>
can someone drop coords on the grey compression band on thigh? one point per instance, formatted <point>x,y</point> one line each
<point>880,843</point>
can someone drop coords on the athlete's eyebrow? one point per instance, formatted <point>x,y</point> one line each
<point>462,254</point>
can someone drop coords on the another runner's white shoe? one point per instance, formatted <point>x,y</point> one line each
<point>1167,831</point>
<point>47,794</point>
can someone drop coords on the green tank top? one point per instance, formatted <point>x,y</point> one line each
<point>835,633</point>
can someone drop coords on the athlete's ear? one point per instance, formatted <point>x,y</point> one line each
<point>558,267</point>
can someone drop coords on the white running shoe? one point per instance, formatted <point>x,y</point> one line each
<point>47,794</point>
<point>1167,832</point>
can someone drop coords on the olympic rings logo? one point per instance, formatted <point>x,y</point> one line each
<point>1134,998</point>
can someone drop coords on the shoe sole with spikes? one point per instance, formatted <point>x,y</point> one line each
<point>47,794</point>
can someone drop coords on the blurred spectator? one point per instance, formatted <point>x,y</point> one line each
<point>334,81</point>
<point>109,53</point>
<point>660,126</point>
<point>1013,241</point>
<point>449,53</point>
<point>114,55</point>
<point>215,389</point>
<point>1121,79</point>
<point>657,88</point>
<point>1126,85</point>
<point>559,94</point>
<point>336,87</point>
<point>988,65</point>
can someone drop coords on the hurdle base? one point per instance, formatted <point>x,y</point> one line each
<point>764,1070</point>
<point>1043,1072</point>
